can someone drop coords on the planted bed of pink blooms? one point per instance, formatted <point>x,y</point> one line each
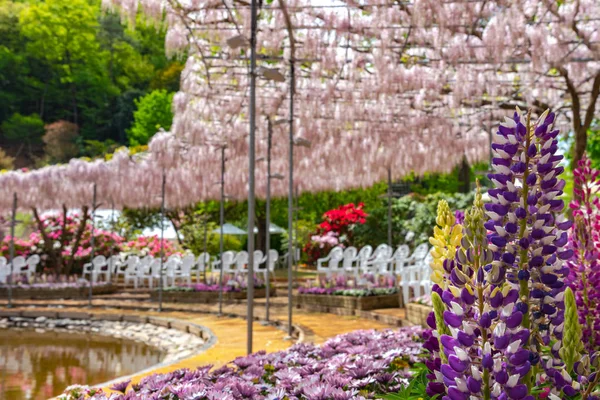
<point>51,282</point>
<point>237,283</point>
<point>357,365</point>
<point>342,285</point>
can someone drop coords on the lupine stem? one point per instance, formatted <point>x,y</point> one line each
<point>486,373</point>
<point>524,283</point>
<point>588,317</point>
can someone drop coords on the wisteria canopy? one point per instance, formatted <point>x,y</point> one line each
<point>408,85</point>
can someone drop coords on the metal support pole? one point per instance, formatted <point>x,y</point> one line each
<point>290,197</point>
<point>13,222</point>
<point>389,193</point>
<point>296,244</point>
<point>221,222</point>
<point>268,217</point>
<point>251,165</point>
<point>162,240</point>
<point>205,243</point>
<point>92,243</point>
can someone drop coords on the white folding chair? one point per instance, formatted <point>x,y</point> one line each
<point>241,260</point>
<point>425,283</point>
<point>378,263</point>
<point>227,263</point>
<point>202,263</point>
<point>32,263</point>
<point>362,259</point>
<point>130,271</point>
<point>19,266</point>
<point>260,264</point>
<point>185,269</point>
<point>333,260</point>
<point>4,270</point>
<point>154,273</point>
<point>97,267</point>
<point>350,256</point>
<point>114,262</point>
<point>397,261</point>
<point>413,269</point>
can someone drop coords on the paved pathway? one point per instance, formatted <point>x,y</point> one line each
<point>230,332</point>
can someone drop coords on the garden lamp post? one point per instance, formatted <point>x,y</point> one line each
<point>389,193</point>
<point>268,211</point>
<point>13,222</point>
<point>92,243</point>
<point>221,222</point>
<point>162,240</point>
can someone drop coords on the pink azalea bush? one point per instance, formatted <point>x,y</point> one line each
<point>335,230</point>
<point>66,247</point>
<point>149,245</point>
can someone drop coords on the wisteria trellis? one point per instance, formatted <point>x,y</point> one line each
<point>412,84</point>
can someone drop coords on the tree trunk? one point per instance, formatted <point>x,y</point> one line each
<point>464,176</point>
<point>261,237</point>
<point>78,236</point>
<point>580,145</point>
<point>51,260</point>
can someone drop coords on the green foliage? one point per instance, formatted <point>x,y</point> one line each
<point>304,229</point>
<point>23,128</point>
<point>153,112</point>
<point>132,222</point>
<point>6,161</point>
<point>96,148</point>
<point>593,144</point>
<point>412,213</point>
<point>194,239</point>
<point>416,388</point>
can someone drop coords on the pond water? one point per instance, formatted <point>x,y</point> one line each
<point>39,365</point>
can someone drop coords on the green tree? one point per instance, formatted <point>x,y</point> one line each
<point>26,130</point>
<point>153,112</point>
<point>63,34</point>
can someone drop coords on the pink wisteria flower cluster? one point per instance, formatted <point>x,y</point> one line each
<point>357,366</point>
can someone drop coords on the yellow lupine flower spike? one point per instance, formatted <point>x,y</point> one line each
<point>446,237</point>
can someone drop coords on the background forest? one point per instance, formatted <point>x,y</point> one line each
<point>75,81</point>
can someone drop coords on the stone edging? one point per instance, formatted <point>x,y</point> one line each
<point>36,293</point>
<point>171,323</point>
<point>417,313</point>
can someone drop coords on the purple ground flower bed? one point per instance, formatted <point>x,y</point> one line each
<point>358,365</point>
<point>345,291</point>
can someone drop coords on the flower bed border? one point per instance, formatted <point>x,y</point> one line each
<point>207,297</point>
<point>81,292</point>
<point>316,302</point>
<point>417,313</point>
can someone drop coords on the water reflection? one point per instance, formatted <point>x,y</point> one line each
<point>39,365</point>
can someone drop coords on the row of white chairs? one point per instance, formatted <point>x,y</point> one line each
<point>144,270</point>
<point>20,266</point>
<point>237,263</point>
<point>411,271</point>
